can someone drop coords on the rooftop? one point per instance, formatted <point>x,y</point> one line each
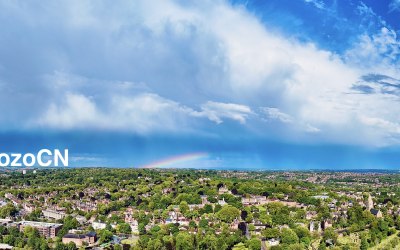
<point>39,224</point>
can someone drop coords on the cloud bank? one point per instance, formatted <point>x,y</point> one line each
<point>194,67</point>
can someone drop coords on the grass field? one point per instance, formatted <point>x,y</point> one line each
<point>385,244</point>
<point>352,240</point>
<point>130,241</point>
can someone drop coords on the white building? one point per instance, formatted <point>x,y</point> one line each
<point>5,246</point>
<point>52,214</point>
<point>98,225</point>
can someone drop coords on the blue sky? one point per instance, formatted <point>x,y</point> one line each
<point>299,84</point>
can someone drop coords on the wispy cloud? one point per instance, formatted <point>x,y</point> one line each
<point>378,84</point>
<point>216,111</point>
<point>394,5</point>
<point>317,3</point>
<point>276,114</point>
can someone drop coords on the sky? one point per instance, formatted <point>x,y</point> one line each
<point>216,84</point>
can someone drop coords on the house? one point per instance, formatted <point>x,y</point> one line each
<point>80,239</point>
<point>5,222</point>
<point>28,207</point>
<point>98,225</point>
<point>2,203</point>
<point>129,215</point>
<point>195,206</point>
<point>315,226</point>
<point>167,190</point>
<point>14,199</point>
<point>223,190</point>
<point>222,202</point>
<point>81,219</point>
<point>326,224</point>
<point>176,217</point>
<point>249,201</point>
<point>273,242</point>
<point>259,227</point>
<point>201,180</point>
<point>204,199</point>
<point>254,200</point>
<point>5,246</point>
<point>311,215</point>
<point>377,213</point>
<point>134,226</point>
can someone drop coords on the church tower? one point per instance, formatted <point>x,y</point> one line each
<point>370,203</point>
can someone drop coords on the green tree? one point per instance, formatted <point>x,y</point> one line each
<point>209,242</point>
<point>240,246</point>
<point>207,209</point>
<point>330,234</point>
<point>124,228</point>
<point>289,236</point>
<point>184,241</point>
<point>203,223</point>
<point>364,242</point>
<point>304,235</point>
<point>184,207</point>
<point>8,211</point>
<point>322,245</point>
<point>105,236</point>
<point>254,244</point>
<point>271,233</point>
<point>228,213</point>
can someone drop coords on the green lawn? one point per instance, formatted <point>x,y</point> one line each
<point>130,241</point>
<point>385,242</point>
<point>352,240</point>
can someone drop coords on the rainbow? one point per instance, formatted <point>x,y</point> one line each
<point>171,161</point>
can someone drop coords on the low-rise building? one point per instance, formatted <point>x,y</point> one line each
<point>98,225</point>
<point>53,214</point>
<point>5,246</point>
<point>377,213</point>
<point>48,230</point>
<point>80,239</point>
<point>5,222</point>
<point>224,190</point>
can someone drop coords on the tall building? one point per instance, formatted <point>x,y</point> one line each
<point>370,202</point>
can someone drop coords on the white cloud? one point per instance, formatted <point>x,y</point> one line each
<point>143,113</point>
<point>77,111</point>
<point>375,52</point>
<point>381,128</point>
<point>276,114</point>
<point>216,111</point>
<point>249,65</point>
<point>184,55</point>
<point>390,127</point>
<point>311,129</point>
<point>316,3</point>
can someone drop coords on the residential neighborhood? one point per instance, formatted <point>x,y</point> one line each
<point>85,208</point>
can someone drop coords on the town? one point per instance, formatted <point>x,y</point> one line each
<point>104,208</point>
